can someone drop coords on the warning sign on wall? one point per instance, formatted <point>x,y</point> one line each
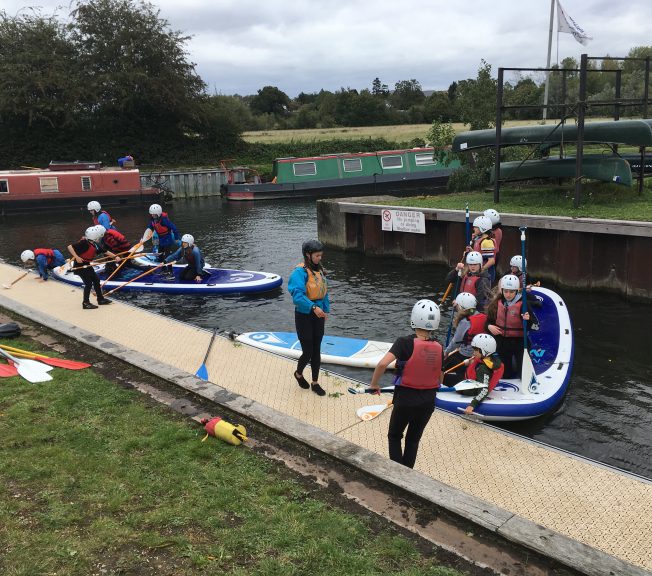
<point>403,221</point>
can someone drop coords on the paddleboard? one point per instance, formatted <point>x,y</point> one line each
<point>353,352</point>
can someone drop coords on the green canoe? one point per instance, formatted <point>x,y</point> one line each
<point>605,168</point>
<point>632,132</point>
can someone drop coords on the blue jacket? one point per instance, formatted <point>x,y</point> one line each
<point>297,287</point>
<point>42,264</point>
<point>196,252</point>
<point>169,238</point>
<point>104,220</point>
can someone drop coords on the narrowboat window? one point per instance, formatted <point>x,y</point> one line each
<point>304,168</point>
<point>391,162</point>
<point>86,183</point>
<point>49,184</point>
<point>424,159</point>
<point>4,186</point>
<point>352,165</point>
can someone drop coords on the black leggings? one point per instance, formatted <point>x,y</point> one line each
<point>91,280</point>
<point>415,419</point>
<point>310,331</point>
<point>510,351</point>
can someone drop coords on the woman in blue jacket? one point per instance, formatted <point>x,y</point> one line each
<point>309,290</point>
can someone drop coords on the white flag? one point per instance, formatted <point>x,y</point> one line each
<point>568,25</point>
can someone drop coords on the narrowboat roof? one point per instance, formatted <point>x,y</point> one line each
<point>57,165</point>
<point>53,174</point>
<point>354,154</point>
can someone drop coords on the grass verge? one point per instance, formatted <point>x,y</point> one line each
<point>94,479</point>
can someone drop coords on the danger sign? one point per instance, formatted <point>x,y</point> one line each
<point>403,221</point>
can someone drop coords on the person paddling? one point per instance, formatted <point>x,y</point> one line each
<point>84,251</point>
<point>115,243</point>
<point>45,259</point>
<point>100,216</point>
<point>191,253</point>
<point>474,279</point>
<point>419,360</point>
<point>485,367</point>
<point>164,228</point>
<point>309,289</point>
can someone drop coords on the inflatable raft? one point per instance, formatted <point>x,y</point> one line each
<point>217,280</point>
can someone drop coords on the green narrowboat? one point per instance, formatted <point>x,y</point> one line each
<point>351,174</point>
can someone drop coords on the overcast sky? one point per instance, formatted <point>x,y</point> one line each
<point>239,46</point>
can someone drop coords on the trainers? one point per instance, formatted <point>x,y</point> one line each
<point>301,381</point>
<point>317,389</point>
<point>88,306</point>
<point>104,301</point>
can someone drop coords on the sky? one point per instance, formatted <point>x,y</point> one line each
<point>239,46</point>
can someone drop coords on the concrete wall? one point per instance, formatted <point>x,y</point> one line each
<point>582,253</point>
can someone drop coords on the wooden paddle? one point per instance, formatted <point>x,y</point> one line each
<point>8,286</point>
<point>137,277</point>
<point>124,261</point>
<point>56,362</point>
<point>31,370</point>
<point>202,371</point>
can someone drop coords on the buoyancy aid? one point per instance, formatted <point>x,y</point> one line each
<point>508,318</point>
<point>316,286</point>
<point>477,321</point>
<point>96,217</point>
<point>115,241</point>
<point>468,283</point>
<point>47,252</point>
<point>159,228</point>
<point>90,252</point>
<point>423,369</point>
<point>498,238</point>
<point>489,362</point>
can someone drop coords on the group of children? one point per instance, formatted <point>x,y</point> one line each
<point>103,238</point>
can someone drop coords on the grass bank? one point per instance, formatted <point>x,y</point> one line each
<point>96,479</point>
<point>598,201</point>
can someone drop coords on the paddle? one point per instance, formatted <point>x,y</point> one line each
<point>367,413</point>
<point>202,371</point>
<point>137,277</point>
<point>56,362</point>
<point>459,274</point>
<point>529,381</point>
<point>31,370</point>
<point>8,286</point>
<point>124,261</point>
<point>7,371</point>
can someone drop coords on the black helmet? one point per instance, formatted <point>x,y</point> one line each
<point>311,246</point>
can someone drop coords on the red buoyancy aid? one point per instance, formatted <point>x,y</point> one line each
<point>477,326</point>
<point>423,369</point>
<point>496,375</point>
<point>160,229</point>
<point>96,217</point>
<point>508,318</point>
<point>90,252</point>
<point>468,284</point>
<point>116,241</point>
<point>47,252</point>
<point>498,238</point>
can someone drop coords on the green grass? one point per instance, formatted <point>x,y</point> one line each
<point>93,479</point>
<point>598,201</point>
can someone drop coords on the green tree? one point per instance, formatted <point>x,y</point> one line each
<point>476,99</point>
<point>379,90</point>
<point>270,100</point>
<point>407,93</point>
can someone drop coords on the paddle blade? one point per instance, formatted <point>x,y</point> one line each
<point>367,413</point>
<point>202,372</point>
<point>7,371</point>
<point>529,382</point>
<point>63,363</point>
<point>33,374</point>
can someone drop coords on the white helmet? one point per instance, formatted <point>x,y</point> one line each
<point>425,315</point>
<point>517,262</point>
<point>26,255</point>
<point>155,210</point>
<point>510,282</point>
<point>474,258</point>
<point>485,342</point>
<point>483,223</point>
<point>466,301</point>
<point>493,216</point>
<point>94,233</point>
<point>94,205</point>
<point>188,239</point>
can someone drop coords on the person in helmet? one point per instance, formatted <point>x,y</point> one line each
<point>473,280</point>
<point>505,322</point>
<point>193,257</point>
<point>485,367</point>
<point>116,243</point>
<point>482,242</point>
<point>45,259</point>
<point>83,252</point>
<point>100,216</point>
<point>496,228</point>
<point>309,289</point>
<point>516,268</point>
<point>419,360</point>
<point>164,228</point>
<point>468,322</point>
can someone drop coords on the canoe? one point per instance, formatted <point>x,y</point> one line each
<point>353,352</point>
<point>605,168</point>
<point>551,350</point>
<point>632,132</point>
<point>219,281</point>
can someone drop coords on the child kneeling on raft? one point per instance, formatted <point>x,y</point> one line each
<point>193,257</point>
<point>484,367</point>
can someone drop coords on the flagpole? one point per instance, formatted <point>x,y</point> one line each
<point>545,93</point>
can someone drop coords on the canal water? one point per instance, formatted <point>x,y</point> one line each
<point>606,415</point>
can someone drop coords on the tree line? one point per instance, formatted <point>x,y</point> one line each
<point>114,77</point>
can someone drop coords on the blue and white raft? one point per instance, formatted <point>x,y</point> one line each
<point>334,349</point>
<point>551,350</point>
<point>216,281</point>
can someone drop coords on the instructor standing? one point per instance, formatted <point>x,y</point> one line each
<point>309,290</point>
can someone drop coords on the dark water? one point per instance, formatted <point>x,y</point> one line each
<point>606,415</point>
